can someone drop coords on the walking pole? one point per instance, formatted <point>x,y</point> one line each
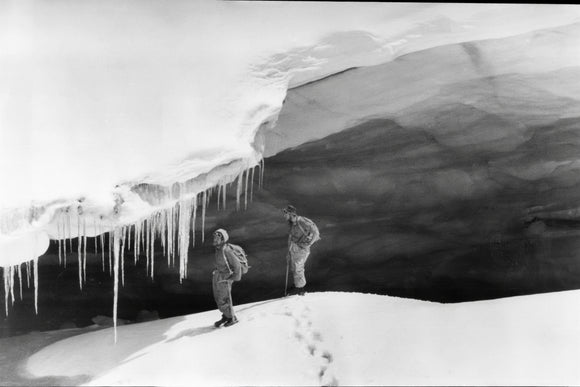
<point>287,268</point>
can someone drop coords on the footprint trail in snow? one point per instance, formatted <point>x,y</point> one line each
<point>311,338</point>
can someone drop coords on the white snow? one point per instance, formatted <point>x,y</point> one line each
<point>338,338</point>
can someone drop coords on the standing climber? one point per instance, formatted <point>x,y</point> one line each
<point>303,234</point>
<point>227,270</point>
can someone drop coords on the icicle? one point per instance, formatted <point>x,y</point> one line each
<point>35,265</point>
<point>143,232</point>
<point>115,238</point>
<point>85,250</point>
<point>19,272</point>
<point>262,169</point>
<point>58,236</point>
<point>224,194</point>
<point>69,229</point>
<point>27,274</point>
<point>102,237</point>
<point>174,220</point>
<point>252,185</point>
<point>123,232</point>
<point>128,237</point>
<point>64,241</point>
<point>79,247</point>
<point>6,288</point>
<point>162,228</point>
<point>183,237</point>
<point>152,241</point>
<point>194,205</point>
<point>136,243</point>
<point>203,216</point>
<point>110,253</point>
<point>12,283</point>
<point>147,227</point>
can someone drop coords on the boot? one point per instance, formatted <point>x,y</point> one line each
<point>219,323</point>
<point>296,291</point>
<point>230,322</point>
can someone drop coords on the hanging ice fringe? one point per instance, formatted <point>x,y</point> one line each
<point>172,225</point>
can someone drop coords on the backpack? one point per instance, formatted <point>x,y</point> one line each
<point>241,256</point>
<point>313,227</point>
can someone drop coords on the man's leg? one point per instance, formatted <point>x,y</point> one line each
<point>233,319</point>
<point>223,298</point>
<point>298,260</point>
<point>216,293</point>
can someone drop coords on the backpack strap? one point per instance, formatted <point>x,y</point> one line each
<point>225,258</point>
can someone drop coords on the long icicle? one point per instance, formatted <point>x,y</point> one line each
<point>35,265</point>
<point>262,173</point>
<point>164,215</point>
<point>174,220</point>
<point>128,237</point>
<point>110,252</point>
<point>123,232</point>
<point>152,241</point>
<point>203,216</point>
<point>184,221</point>
<point>6,291</point>
<point>58,236</point>
<point>19,272</point>
<point>115,238</point>
<point>136,243</point>
<point>28,274</point>
<point>224,195</point>
<point>79,247</point>
<point>12,283</point>
<point>69,230</point>
<point>194,204</point>
<point>147,227</point>
<point>85,250</point>
<point>64,240</point>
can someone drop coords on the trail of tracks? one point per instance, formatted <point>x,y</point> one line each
<point>311,338</point>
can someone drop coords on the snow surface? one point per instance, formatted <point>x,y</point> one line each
<point>341,339</point>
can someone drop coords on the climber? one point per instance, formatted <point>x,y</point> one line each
<point>227,270</point>
<point>303,234</point>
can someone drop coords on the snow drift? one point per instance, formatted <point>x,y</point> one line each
<point>337,339</point>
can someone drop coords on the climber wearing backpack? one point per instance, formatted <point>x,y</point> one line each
<point>230,264</point>
<point>303,234</point>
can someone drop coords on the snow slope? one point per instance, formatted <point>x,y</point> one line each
<point>341,339</point>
